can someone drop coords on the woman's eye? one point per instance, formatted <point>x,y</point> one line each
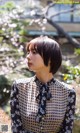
<point>34,51</point>
<point>28,52</point>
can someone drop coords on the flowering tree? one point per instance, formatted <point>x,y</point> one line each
<point>12,38</point>
<point>12,31</point>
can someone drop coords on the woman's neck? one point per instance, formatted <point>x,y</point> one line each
<point>44,77</point>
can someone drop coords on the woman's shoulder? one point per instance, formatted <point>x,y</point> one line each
<point>22,80</point>
<point>19,85</point>
<point>65,86</point>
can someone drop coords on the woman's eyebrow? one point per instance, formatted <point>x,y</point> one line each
<point>33,48</point>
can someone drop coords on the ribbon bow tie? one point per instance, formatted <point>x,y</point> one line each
<point>42,98</point>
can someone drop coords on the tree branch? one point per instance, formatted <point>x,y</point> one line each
<point>65,11</point>
<point>72,40</point>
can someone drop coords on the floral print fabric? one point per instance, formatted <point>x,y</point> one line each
<point>67,124</point>
<point>16,124</point>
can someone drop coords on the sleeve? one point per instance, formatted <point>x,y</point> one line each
<point>16,123</point>
<point>67,124</point>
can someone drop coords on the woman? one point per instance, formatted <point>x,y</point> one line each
<point>42,104</point>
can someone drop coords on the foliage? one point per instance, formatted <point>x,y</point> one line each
<point>76,128</point>
<point>4,89</point>
<point>72,73</point>
<point>7,6</point>
<point>77,51</point>
<point>12,34</point>
<point>12,38</point>
<point>11,24</point>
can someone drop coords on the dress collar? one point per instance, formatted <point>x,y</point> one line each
<point>51,81</point>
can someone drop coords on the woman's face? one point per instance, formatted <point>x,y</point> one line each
<point>35,61</point>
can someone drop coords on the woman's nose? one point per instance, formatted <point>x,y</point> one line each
<point>29,55</point>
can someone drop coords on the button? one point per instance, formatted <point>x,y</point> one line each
<point>41,128</point>
<point>42,118</point>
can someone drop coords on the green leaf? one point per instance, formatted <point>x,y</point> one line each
<point>23,32</point>
<point>1,38</point>
<point>23,39</point>
<point>1,31</point>
<point>9,5</point>
<point>77,51</point>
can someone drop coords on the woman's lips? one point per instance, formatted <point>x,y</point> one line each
<point>29,64</point>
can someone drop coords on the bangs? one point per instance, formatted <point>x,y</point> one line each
<point>35,44</point>
<point>31,46</point>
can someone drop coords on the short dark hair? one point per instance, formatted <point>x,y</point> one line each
<point>49,50</point>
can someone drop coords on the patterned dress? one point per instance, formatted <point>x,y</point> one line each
<point>42,108</point>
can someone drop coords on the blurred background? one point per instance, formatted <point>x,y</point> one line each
<point>23,20</point>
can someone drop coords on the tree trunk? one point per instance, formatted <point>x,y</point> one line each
<point>72,40</point>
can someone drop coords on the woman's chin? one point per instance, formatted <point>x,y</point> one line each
<point>31,69</point>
